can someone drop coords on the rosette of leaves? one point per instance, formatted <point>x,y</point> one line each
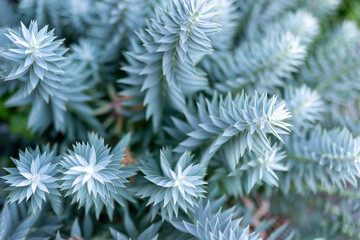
<point>93,176</point>
<point>34,178</point>
<point>36,55</point>
<point>206,225</point>
<point>45,79</point>
<point>172,183</point>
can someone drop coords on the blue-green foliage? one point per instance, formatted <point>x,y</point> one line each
<point>76,16</point>
<point>320,8</point>
<point>89,61</point>
<point>123,17</point>
<point>300,23</point>
<point>9,16</point>
<point>227,18</point>
<point>46,12</point>
<point>254,15</point>
<point>225,119</point>
<point>334,65</point>
<point>15,223</point>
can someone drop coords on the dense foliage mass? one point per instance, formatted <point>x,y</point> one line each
<point>179,119</point>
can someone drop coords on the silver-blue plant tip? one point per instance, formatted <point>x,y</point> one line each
<point>93,174</point>
<point>34,178</point>
<point>36,53</point>
<point>173,183</point>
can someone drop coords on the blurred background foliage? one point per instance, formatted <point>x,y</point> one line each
<point>350,9</point>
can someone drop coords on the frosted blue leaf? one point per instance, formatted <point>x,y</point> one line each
<point>75,230</point>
